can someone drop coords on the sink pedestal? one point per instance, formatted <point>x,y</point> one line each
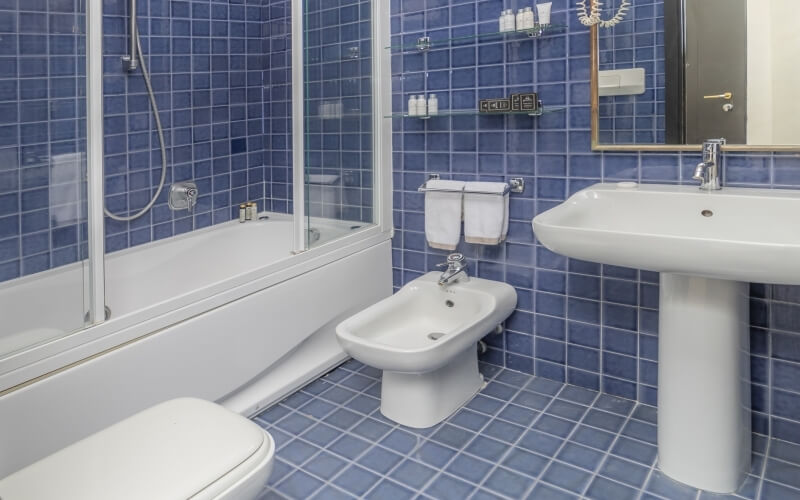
<point>704,381</point>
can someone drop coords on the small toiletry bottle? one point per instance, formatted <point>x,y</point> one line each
<point>242,212</point>
<point>433,105</point>
<point>529,20</point>
<point>422,106</point>
<point>509,17</point>
<point>544,12</point>
<point>253,210</point>
<point>520,20</point>
<point>412,106</point>
<point>502,21</point>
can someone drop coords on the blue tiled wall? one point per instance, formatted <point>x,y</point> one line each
<point>207,65</point>
<point>278,104</point>
<point>636,42</point>
<point>589,324</point>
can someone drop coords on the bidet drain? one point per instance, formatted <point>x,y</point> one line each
<point>435,335</point>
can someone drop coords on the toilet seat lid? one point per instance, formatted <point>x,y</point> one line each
<point>172,450</point>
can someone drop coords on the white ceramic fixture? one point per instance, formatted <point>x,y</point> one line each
<point>184,448</point>
<point>706,245</point>
<point>424,339</point>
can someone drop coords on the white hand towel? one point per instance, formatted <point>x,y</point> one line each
<point>443,214</point>
<point>485,215</point>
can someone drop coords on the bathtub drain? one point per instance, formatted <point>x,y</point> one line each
<point>435,335</point>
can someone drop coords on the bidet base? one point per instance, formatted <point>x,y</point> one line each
<point>704,382</point>
<point>422,400</point>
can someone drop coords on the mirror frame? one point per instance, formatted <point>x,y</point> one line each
<point>594,48</point>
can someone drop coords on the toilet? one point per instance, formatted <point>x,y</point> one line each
<point>424,338</point>
<point>184,448</point>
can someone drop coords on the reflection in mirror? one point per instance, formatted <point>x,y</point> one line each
<point>679,72</point>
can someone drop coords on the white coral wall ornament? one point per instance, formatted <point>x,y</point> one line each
<point>590,19</point>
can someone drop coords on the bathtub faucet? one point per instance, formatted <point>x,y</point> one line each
<point>183,196</point>
<point>456,269</point>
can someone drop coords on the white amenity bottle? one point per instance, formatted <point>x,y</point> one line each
<point>520,20</point>
<point>412,106</point>
<point>528,17</point>
<point>502,21</point>
<point>422,106</point>
<point>509,17</point>
<point>433,105</point>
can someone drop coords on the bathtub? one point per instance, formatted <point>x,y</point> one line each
<point>226,313</point>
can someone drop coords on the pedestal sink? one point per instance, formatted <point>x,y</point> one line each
<point>707,246</point>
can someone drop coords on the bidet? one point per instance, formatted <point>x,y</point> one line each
<point>424,339</point>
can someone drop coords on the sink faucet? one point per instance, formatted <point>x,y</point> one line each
<point>456,269</point>
<point>709,171</point>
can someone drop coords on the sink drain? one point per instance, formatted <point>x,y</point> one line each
<point>435,335</point>
<point>706,213</point>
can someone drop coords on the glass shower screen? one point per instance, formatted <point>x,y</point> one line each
<point>43,209</point>
<point>338,118</point>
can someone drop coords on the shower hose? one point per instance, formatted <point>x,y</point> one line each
<point>154,107</point>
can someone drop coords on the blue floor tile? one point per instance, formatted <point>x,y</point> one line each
<point>521,437</point>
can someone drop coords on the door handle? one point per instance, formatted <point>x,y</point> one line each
<point>727,96</point>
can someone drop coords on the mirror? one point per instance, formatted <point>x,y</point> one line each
<point>673,73</point>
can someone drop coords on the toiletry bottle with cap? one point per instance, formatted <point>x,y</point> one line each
<point>242,212</point>
<point>433,105</point>
<point>509,17</point>
<point>422,106</point>
<point>502,21</point>
<point>412,106</point>
<point>529,19</point>
<point>520,20</point>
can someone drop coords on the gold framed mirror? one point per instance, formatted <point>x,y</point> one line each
<point>674,73</point>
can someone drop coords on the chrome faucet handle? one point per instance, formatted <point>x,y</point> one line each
<point>191,199</point>
<point>183,196</point>
<point>456,261</point>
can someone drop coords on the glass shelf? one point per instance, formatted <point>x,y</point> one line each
<point>425,43</point>
<point>472,112</point>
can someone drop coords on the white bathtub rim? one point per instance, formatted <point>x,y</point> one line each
<point>32,364</point>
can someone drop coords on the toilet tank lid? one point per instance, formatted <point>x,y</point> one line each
<point>172,450</point>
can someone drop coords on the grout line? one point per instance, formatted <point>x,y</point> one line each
<point>611,447</point>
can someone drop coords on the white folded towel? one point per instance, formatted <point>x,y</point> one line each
<point>443,214</point>
<point>485,215</point>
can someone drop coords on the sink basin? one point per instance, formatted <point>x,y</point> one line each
<point>707,246</point>
<point>735,233</point>
<point>424,339</point>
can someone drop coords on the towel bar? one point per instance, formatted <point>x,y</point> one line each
<point>514,185</point>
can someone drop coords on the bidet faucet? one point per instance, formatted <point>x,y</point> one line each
<point>456,266</point>
<point>709,171</point>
